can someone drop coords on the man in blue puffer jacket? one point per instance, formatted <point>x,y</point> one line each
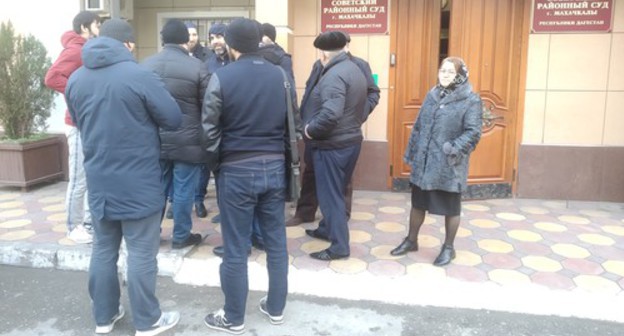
<point>118,107</point>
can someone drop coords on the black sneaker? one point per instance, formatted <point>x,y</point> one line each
<point>193,239</point>
<point>274,319</point>
<point>218,321</point>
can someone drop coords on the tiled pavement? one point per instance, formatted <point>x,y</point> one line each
<point>536,256</point>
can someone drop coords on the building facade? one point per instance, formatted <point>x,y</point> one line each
<point>554,100</point>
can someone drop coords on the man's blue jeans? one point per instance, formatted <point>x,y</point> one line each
<point>333,169</point>
<point>142,238</point>
<point>182,177</point>
<point>202,184</point>
<point>244,189</point>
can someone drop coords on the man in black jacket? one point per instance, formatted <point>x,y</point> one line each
<point>217,60</point>
<point>333,115</point>
<point>244,123</point>
<point>307,204</point>
<point>196,49</point>
<point>181,153</point>
<point>273,52</point>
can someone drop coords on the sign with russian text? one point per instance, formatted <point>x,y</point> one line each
<point>572,16</point>
<point>355,16</point>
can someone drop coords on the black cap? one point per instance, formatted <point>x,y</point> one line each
<point>330,40</point>
<point>243,35</point>
<point>268,30</point>
<point>175,32</point>
<point>117,29</point>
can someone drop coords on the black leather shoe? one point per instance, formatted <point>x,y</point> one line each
<point>298,220</point>
<point>405,246</point>
<point>200,210</point>
<point>219,250</point>
<point>315,234</point>
<point>169,213</point>
<point>446,255</point>
<point>326,255</point>
<point>193,239</point>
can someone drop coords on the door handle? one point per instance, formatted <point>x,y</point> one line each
<point>392,59</point>
<point>489,117</point>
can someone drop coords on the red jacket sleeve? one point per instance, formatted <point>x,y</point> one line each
<point>68,61</point>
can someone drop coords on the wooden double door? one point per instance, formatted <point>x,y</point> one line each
<point>490,36</point>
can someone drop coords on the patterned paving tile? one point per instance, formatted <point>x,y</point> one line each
<point>466,273</point>
<point>386,268</point>
<point>557,244</point>
<point>502,261</point>
<point>14,223</point>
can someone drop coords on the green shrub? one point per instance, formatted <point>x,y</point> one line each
<point>25,101</point>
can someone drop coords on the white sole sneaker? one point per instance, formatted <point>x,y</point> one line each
<point>166,321</point>
<point>105,329</point>
<point>79,235</point>
<point>273,319</point>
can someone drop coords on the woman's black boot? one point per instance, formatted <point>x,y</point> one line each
<point>405,246</point>
<point>446,255</point>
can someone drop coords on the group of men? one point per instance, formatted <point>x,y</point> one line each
<point>145,133</point>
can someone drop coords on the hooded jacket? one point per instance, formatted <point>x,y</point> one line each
<point>334,111</point>
<point>278,56</point>
<point>68,61</point>
<point>186,79</point>
<point>454,119</point>
<point>118,107</point>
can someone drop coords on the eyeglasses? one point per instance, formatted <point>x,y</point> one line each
<point>450,72</point>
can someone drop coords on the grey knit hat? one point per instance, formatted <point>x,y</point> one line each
<point>117,29</point>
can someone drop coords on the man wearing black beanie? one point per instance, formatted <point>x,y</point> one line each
<point>243,120</point>
<point>181,154</point>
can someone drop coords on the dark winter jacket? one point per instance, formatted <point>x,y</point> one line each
<point>68,61</point>
<point>278,56</point>
<point>215,62</point>
<point>201,53</point>
<point>334,111</point>
<point>372,88</point>
<point>455,120</point>
<point>118,107</point>
<point>244,113</point>
<point>186,79</point>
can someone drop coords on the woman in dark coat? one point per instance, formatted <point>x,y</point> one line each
<point>447,130</point>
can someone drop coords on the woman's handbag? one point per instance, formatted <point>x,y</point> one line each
<point>293,171</point>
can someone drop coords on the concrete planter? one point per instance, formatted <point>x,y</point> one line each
<point>27,164</point>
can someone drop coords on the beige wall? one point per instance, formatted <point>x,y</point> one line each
<point>575,87</point>
<point>146,16</point>
<point>373,48</point>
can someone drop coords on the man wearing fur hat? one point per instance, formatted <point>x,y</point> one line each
<point>244,121</point>
<point>118,107</point>
<point>307,204</point>
<point>333,114</point>
<point>181,153</point>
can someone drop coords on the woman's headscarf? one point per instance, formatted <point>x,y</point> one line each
<point>460,78</point>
